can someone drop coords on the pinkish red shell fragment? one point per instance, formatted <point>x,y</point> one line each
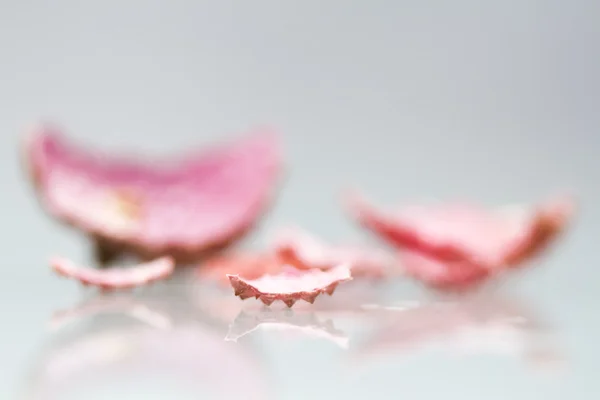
<point>180,207</point>
<point>442,274</point>
<point>305,251</point>
<point>466,234</point>
<point>246,265</point>
<point>290,285</point>
<point>115,277</point>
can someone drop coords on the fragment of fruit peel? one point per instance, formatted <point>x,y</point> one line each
<point>291,285</point>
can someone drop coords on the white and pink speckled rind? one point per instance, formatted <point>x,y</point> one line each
<point>305,323</point>
<point>247,265</point>
<point>454,234</point>
<point>291,285</point>
<point>179,207</point>
<point>305,251</point>
<point>115,277</point>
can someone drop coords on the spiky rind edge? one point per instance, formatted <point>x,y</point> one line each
<point>245,290</point>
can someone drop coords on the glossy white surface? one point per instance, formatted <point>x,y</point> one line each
<point>495,102</point>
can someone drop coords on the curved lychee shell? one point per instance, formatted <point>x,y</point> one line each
<point>181,207</point>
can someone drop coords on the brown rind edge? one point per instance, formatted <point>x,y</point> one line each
<point>245,291</point>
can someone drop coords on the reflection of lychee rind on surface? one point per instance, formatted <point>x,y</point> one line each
<point>307,323</point>
<point>191,349</point>
<point>467,326</point>
<point>247,265</point>
<point>108,304</point>
<point>289,288</point>
<point>182,207</point>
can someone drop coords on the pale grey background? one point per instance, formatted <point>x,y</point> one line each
<point>497,101</point>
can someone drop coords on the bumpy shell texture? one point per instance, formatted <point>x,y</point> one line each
<point>450,244</point>
<point>290,285</point>
<point>180,207</point>
<point>303,250</point>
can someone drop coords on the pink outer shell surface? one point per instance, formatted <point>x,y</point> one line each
<point>246,265</point>
<point>182,207</point>
<point>305,251</point>
<point>291,285</point>
<point>442,274</point>
<point>116,277</point>
<point>464,233</point>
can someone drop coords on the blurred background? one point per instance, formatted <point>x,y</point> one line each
<point>495,102</point>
